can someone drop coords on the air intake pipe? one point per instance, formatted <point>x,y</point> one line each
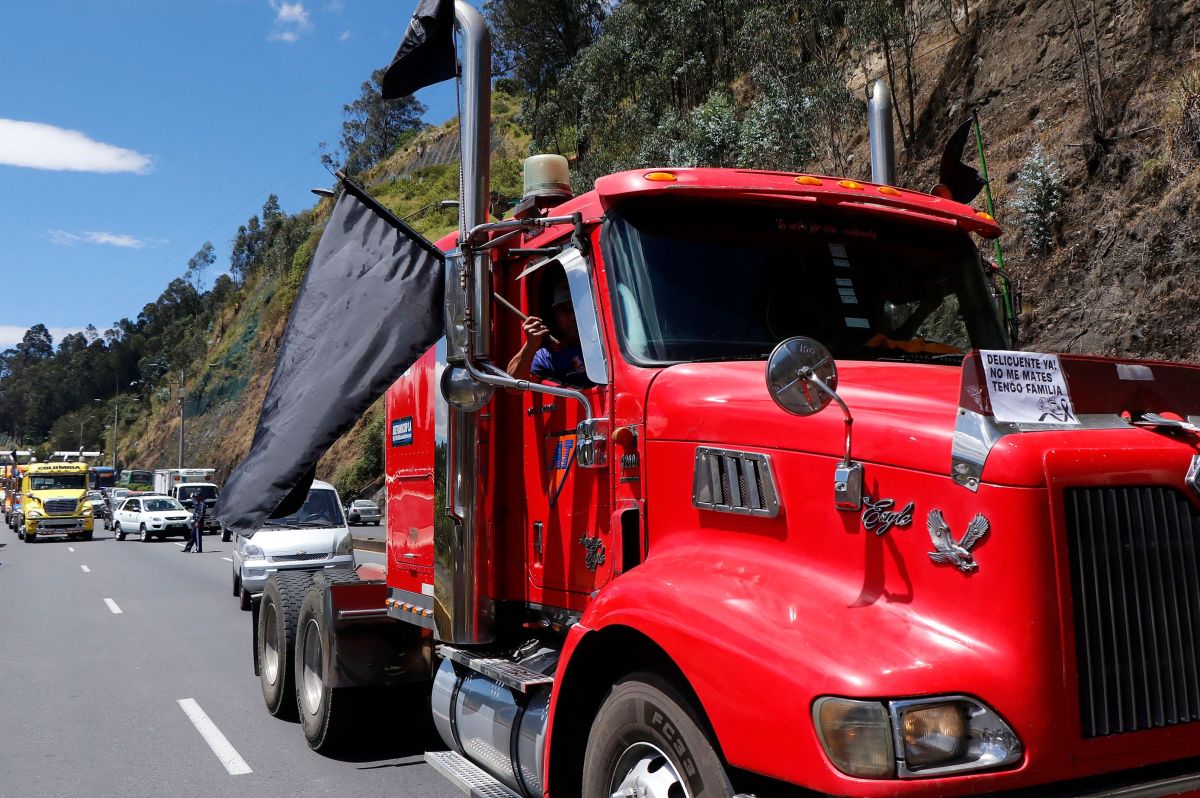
<point>879,126</point>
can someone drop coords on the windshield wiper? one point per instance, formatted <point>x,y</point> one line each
<point>280,525</point>
<point>317,523</point>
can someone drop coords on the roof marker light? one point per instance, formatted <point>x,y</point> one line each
<point>808,180</point>
<point>850,184</point>
<point>891,192</point>
<point>661,177</point>
<point>985,215</point>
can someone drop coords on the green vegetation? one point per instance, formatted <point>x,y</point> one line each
<point>368,467</point>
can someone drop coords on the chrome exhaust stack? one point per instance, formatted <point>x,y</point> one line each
<point>463,607</point>
<point>879,126</point>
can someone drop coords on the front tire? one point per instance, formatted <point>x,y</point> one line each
<point>143,534</point>
<point>277,616</point>
<point>648,739</point>
<point>119,533</point>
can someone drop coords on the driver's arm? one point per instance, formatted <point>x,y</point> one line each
<point>535,333</point>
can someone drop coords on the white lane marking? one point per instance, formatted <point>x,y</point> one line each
<point>112,605</point>
<point>181,545</point>
<point>220,746</point>
<point>70,548</point>
<point>227,559</point>
<point>86,570</point>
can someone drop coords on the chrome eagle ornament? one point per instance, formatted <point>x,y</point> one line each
<point>949,550</point>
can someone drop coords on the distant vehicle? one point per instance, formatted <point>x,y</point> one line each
<point>55,502</point>
<point>101,477</point>
<point>98,502</point>
<point>136,477</point>
<point>113,499</point>
<point>314,538</point>
<point>207,492</point>
<point>363,511</point>
<point>166,480</point>
<point>151,516</point>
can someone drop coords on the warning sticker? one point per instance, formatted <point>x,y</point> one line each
<point>1027,388</point>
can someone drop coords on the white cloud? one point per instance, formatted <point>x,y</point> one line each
<point>290,20</point>
<point>345,37</point>
<point>335,6</point>
<point>69,239</point>
<point>39,146</point>
<point>11,334</point>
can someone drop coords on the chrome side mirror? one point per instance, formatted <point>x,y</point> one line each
<point>802,379</point>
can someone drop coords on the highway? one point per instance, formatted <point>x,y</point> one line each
<point>125,670</point>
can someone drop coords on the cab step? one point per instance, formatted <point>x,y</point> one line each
<point>467,776</point>
<point>504,671</point>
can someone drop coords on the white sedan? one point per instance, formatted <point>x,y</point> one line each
<point>150,516</point>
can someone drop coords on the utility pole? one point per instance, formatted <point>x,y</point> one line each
<point>182,385</point>
<point>116,420</point>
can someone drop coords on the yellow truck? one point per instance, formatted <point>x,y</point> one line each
<point>54,502</point>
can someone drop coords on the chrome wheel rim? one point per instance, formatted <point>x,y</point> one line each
<point>313,689</point>
<point>270,652</point>
<point>644,771</point>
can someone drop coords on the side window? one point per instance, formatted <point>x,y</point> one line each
<point>133,506</point>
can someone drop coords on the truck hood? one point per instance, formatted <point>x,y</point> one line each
<point>280,542</point>
<point>905,415</point>
<point>47,495</point>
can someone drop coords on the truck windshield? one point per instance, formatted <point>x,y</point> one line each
<point>205,492</point>
<point>717,280</point>
<point>57,481</point>
<point>320,509</point>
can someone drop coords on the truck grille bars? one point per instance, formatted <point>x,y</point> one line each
<point>1136,583</point>
<point>61,506</point>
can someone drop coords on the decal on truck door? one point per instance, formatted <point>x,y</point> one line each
<point>402,431</point>
<point>563,452</point>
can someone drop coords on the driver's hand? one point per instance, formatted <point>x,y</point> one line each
<point>535,330</point>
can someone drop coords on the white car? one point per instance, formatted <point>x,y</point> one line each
<point>314,538</point>
<point>149,516</point>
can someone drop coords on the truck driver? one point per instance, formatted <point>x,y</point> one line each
<point>562,363</point>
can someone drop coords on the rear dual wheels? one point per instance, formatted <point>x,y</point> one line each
<point>648,740</point>
<point>277,620</point>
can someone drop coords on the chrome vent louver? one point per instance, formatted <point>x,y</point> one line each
<point>729,481</point>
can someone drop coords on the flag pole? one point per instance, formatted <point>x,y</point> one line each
<point>1005,282</point>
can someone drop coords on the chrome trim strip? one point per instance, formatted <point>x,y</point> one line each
<point>371,613</point>
<point>976,434</point>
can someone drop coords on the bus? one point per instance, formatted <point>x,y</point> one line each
<point>101,477</point>
<point>136,477</point>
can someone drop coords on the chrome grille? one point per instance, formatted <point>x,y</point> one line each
<point>61,506</point>
<point>298,557</point>
<point>1136,585</point>
<point>729,481</point>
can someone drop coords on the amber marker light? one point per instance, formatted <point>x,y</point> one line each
<point>891,192</point>
<point>808,180</point>
<point>661,177</point>
<point>850,184</point>
<point>985,215</point>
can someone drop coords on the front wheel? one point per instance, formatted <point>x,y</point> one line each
<point>119,533</point>
<point>648,740</point>
<point>145,536</point>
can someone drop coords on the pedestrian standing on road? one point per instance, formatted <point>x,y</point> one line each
<point>199,511</point>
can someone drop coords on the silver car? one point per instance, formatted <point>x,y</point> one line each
<point>314,538</point>
<point>363,511</point>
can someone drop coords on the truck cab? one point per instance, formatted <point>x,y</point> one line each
<point>54,502</point>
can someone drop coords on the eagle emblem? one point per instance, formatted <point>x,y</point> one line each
<point>948,549</point>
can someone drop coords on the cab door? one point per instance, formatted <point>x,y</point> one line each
<point>568,540</point>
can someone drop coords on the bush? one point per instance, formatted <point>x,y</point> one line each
<point>1039,198</point>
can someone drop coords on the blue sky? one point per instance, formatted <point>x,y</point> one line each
<point>132,131</point>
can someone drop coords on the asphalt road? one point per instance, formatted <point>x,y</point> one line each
<point>95,702</point>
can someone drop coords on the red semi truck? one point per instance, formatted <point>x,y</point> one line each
<point>808,526</point>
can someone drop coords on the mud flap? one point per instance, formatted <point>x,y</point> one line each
<point>370,649</point>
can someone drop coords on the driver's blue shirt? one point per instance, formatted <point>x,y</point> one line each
<point>564,364</point>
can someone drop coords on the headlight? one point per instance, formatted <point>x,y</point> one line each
<point>35,513</point>
<point>88,509</point>
<point>857,736</point>
<point>951,734</point>
<point>252,551</point>
<point>344,545</point>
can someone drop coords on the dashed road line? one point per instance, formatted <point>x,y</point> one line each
<point>112,605</point>
<point>230,758</point>
<point>181,545</point>
<point>70,548</point>
<point>227,559</point>
<point>86,570</point>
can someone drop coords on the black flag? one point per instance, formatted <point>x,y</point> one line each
<point>426,55</point>
<point>963,181</point>
<point>370,305</point>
